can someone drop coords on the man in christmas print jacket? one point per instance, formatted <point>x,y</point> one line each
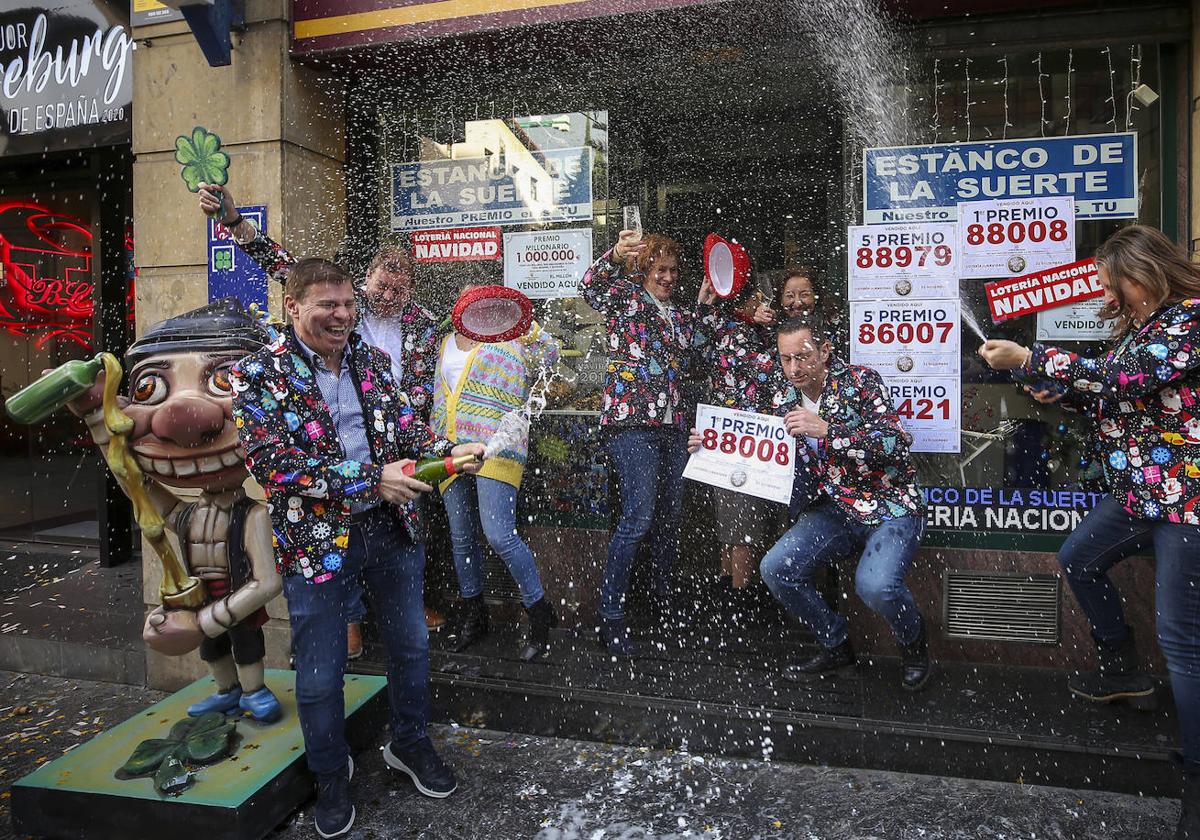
<point>328,436</point>
<point>855,491</point>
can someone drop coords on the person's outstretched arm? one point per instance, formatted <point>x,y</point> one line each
<point>270,256</point>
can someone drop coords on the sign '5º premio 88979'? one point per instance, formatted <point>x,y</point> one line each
<point>917,260</point>
<point>743,451</point>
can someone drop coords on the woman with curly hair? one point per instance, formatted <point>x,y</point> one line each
<point>642,416</point>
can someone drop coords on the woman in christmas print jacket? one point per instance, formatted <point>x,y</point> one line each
<point>642,418</point>
<point>743,375</point>
<point>1144,397</point>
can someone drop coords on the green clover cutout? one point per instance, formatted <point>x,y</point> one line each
<point>202,158</point>
<point>191,741</point>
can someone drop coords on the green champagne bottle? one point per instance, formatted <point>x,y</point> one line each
<point>433,471</point>
<point>38,400</point>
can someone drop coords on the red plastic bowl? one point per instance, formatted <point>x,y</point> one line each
<point>492,313</point>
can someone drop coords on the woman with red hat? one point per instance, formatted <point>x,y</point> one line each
<point>480,379</point>
<point>742,370</point>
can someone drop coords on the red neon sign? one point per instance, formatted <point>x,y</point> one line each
<point>47,260</point>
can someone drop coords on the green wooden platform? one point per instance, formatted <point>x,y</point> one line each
<point>243,797</point>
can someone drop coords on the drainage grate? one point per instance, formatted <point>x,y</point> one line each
<point>1001,607</point>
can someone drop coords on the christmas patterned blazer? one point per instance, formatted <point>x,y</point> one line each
<point>648,352</point>
<point>742,369</point>
<point>863,462</point>
<point>1145,397</point>
<point>418,329</point>
<point>293,450</point>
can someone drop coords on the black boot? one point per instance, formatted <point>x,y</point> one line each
<point>916,667</point>
<point>472,623</point>
<point>1117,678</point>
<point>828,661</point>
<point>541,621</point>
<point>1189,800</point>
<point>614,635</point>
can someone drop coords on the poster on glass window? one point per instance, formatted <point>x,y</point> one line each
<point>928,407</point>
<point>999,239</point>
<point>743,451</point>
<point>547,264</point>
<point>512,186</point>
<point>909,337</point>
<point>916,260</point>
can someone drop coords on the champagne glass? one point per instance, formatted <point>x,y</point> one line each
<point>632,220</point>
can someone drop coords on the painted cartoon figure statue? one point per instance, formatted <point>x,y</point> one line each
<point>184,438</point>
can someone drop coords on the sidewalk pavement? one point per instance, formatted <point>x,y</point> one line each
<point>517,786</point>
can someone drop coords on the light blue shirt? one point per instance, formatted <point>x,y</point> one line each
<point>341,397</point>
<point>388,335</point>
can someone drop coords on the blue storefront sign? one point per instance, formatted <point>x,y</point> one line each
<point>1026,510</point>
<point>517,186</point>
<point>926,183</point>
<point>230,272</point>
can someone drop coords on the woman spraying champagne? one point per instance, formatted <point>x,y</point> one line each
<point>1144,396</point>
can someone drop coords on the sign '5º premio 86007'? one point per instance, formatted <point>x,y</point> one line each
<point>743,451</point>
<point>915,261</point>
<point>915,337</point>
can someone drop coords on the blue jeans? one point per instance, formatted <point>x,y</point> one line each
<point>1104,538</point>
<point>392,567</point>
<point>471,500</point>
<point>356,602</point>
<point>649,463</point>
<point>824,535</point>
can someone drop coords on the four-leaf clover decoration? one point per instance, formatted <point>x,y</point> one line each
<point>202,158</point>
<point>192,741</point>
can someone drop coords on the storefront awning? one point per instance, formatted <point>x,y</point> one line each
<point>325,25</point>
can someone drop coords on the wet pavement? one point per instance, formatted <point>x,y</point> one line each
<point>519,786</point>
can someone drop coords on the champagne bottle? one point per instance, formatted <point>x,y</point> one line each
<point>38,400</point>
<point>434,471</point>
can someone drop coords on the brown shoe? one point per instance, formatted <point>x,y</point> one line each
<point>353,641</point>
<point>434,620</point>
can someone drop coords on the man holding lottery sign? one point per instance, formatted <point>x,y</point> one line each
<point>855,492</point>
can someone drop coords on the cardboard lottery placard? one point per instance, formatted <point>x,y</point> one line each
<point>547,263</point>
<point>929,409</point>
<point>906,337</point>
<point>1016,236</point>
<point>743,451</point>
<point>915,260</point>
<point>1074,322</point>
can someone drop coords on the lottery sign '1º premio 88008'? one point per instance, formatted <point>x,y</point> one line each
<point>743,451</point>
<point>1016,236</point>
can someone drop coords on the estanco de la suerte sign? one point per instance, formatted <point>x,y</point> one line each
<point>66,76</point>
<point>926,183</point>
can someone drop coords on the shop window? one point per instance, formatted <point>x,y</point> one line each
<point>50,472</point>
<point>1009,441</point>
<point>737,142</point>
